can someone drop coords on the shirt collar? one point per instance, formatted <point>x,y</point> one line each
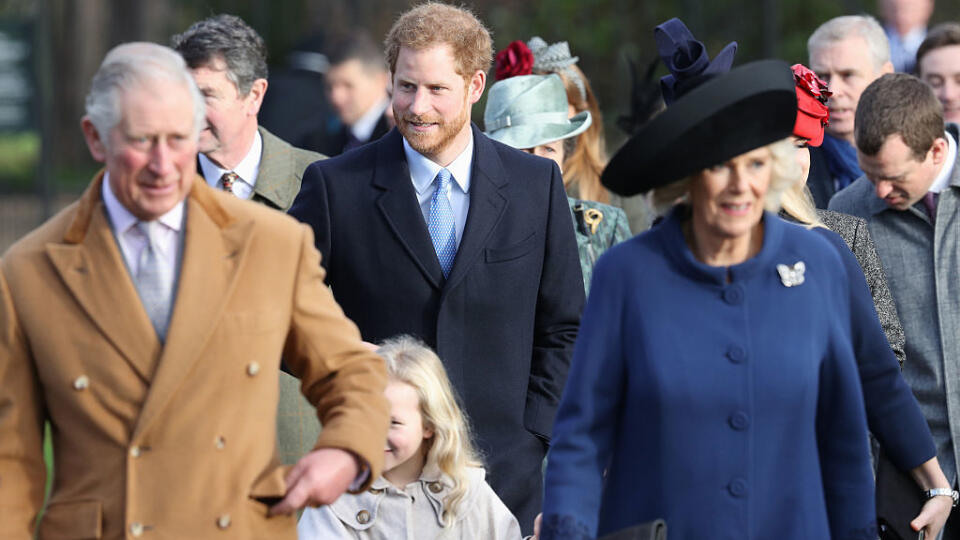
<point>247,169</point>
<point>423,170</point>
<point>363,128</point>
<point>121,218</point>
<point>942,180</point>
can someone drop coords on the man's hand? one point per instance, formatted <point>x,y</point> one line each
<point>319,478</point>
<point>933,515</point>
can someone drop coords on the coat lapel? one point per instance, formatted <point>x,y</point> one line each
<point>398,204</point>
<point>91,266</point>
<point>487,205</point>
<point>274,185</point>
<point>214,250</point>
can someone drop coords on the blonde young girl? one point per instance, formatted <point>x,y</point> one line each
<point>433,485</point>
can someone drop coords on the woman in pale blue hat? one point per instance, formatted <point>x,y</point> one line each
<point>530,112</point>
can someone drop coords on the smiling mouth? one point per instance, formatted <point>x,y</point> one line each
<point>736,209</point>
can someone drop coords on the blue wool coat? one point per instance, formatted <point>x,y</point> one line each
<point>729,409</point>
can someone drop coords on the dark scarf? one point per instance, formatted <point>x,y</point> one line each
<point>842,160</point>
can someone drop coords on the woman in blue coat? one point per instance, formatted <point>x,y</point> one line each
<point>713,383</point>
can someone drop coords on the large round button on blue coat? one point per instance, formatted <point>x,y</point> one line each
<point>739,421</point>
<point>733,295</point>
<point>736,354</point>
<point>738,487</point>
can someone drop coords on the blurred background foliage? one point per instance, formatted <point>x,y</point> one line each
<point>68,38</point>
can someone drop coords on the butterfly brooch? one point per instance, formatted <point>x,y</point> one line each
<point>791,276</point>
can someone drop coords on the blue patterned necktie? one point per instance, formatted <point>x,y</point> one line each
<point>153,288</point>
<point>441,224</point>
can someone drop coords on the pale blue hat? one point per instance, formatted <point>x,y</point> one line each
<point>530,110</point>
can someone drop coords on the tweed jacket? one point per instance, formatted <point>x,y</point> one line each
<point>281,171</point>
<point>278,182</point>
<point>856,235</point>
<point>598,227</point>
<point>385,512</point>
<point>170,440</point>
<point>921,260</point>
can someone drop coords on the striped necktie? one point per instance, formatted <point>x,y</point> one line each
<point>441,223</point>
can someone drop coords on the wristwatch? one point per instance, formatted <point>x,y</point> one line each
<point>947,492</point>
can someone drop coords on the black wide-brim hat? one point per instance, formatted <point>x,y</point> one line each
<point>745,108</point>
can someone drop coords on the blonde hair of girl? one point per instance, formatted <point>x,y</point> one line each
<point>451,448</point>
<point>582,167</point>
<point>797,202</point>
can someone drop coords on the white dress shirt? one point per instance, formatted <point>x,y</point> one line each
<point>247,170</point>
<point>133,242</point>
<point>363,128</point>
<point>942,181</point>
<point>422,173</point>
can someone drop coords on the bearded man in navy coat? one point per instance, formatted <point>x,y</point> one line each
<point>439,232</point>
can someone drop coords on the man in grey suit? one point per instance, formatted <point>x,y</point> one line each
<point>228,59</point>
<point>910,197</point>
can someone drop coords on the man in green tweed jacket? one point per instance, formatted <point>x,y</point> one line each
<point>228,59</point>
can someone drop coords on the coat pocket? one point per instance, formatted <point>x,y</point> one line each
<point>72,520</point>
<point>271,487</point>
<point>515,251</point>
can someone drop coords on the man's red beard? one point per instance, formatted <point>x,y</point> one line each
<point>433,143</point>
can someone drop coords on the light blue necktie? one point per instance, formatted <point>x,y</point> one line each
<point>153,288</point>
<point>441,223</point>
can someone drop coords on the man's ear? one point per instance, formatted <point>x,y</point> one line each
<point>477,83</point>
<point>255,97</point>
<point>939,150</point>
<point>94,142</point>
<point>887,67</point>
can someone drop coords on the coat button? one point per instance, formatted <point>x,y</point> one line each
<point>363,517</point>
<point>135,451</point>
<point>136,530</point>
<point>376,491</point>
<point>733,295</point>
<point>739,421</point>
<point>435,487</point>
<point>220,443</point>
<point>253,368</point>
<point>223,521</point>
<point>81,383</point>
<point>738,487</point>
<point>736,354</point>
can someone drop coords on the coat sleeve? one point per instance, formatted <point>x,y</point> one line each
<point>866,254</point>
<point>559,302</point>
<point>585,430</point>
<point>22,471</point>
<point>310,207</point>
<point>339,375</point>
<point>841,432</point>
<point>893,414</point>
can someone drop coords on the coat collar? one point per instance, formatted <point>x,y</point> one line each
<point>91,265</point>
<point>398,204</point>
<point>278,170</point>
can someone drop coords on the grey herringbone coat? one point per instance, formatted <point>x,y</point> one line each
<point>921,260</point>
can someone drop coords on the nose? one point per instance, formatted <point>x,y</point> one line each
<point>161,158</point>
<point>420,103</point>
<point>883,189</point>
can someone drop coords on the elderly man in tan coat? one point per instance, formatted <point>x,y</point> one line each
<point>146,323</point>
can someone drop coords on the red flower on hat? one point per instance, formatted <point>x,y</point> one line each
<point>808,80</point>
<point>515,60</point>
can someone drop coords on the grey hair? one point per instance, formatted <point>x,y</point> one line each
<point>840,28</point>
<point>786,173</point>
<point>136,64</point>
<point>228,38</point>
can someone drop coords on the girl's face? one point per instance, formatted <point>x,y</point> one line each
<point>404,453</point>
<point>551,150</point>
